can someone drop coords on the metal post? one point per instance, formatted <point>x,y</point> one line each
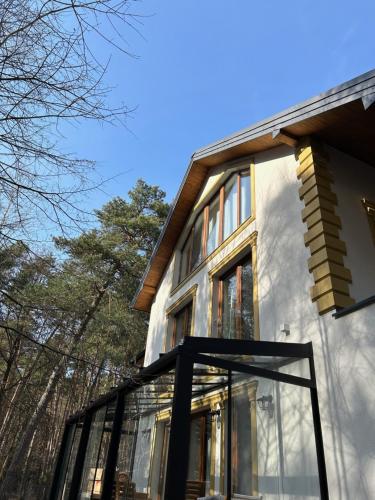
<point>229,437</point>
<point>110,467</point>
<point>81,452</point>
<point>178,452</point>
<point>318,436</point>
<point>59,462</point>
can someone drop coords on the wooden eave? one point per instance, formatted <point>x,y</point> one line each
<point>338,117</point>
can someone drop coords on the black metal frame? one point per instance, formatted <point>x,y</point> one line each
<point>182,359</point>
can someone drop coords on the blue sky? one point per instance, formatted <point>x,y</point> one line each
<point>207,68</point>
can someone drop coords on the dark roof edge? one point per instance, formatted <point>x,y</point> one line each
<point>169,216</point>
<point>336,96</point>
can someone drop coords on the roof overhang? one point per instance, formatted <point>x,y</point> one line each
<point>343,117</point>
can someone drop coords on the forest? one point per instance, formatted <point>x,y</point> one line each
<point>68,331</point>
<point>68,274</point>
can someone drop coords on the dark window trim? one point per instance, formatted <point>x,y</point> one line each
<point>355,307</point>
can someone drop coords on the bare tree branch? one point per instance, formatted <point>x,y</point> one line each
<point>50,74</point>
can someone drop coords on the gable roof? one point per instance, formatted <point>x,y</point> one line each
<point>343,117</point>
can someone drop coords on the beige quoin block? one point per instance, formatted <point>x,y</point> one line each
<point>331,289</point>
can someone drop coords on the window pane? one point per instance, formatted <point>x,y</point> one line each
<point>213,225</point>
<point>103,451</point>
<point>229,305</point>
<point>195,449</point>
<point>242,446</point>
<point>247,309</point>
<point>230,206</point>
<point>183,323</point>
<point>65,460</point>
<point>142,453</point>
<point>72,459</point>
<point>185,258</point>
<point>245,196</point>
<point>91,477</point>
<point>196,255</point>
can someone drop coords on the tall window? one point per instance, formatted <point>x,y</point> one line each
<point>230,206</point>
<point>182,324</point>
<point>226,211</point>
<point>213,224</point>
<point>235,312</point>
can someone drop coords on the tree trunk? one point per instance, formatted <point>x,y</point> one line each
<point>13,475</point>
<point>10,486</point>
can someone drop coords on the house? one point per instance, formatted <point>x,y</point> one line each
<point>259,363</point>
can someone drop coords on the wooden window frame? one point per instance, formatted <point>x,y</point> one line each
<point>205,214</point>
<point>185,310</point>
<point>189,297</point>
<point>228,262</point>
<point>236,269</point>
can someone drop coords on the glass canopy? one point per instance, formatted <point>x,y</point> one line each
<point>212,419</point>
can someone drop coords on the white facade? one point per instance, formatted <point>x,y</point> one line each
<point>344,348</point>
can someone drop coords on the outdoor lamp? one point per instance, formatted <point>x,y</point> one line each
<point>265,403</point>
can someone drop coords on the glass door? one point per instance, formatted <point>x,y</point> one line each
<point>198,478</point>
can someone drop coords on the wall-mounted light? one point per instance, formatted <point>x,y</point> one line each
<point>215,416</point>
<point>285,328</point>
<point>265,403</point>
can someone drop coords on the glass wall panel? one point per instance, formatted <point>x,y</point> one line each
<point>230,206</point>
<point>65,460</point>
<point>271,452</point>
<point>140,471</point>
<point>213,225</point>
<point>206,466</point>
<point>96,452</point>
<point>243,452</point>
<point>196,254</point>
<point>245,197</point>
<point>71,461</point>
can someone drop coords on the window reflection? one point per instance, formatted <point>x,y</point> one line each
<point>213,225</point>
<point>229,208</point>
<point>235,302</point>
<point>96,452</point>
<point>71,461</point>
<point>182,324</point>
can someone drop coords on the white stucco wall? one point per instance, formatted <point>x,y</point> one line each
<point>344,348</point>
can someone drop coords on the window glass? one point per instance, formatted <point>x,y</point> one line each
<point>72,460</point>
<point>196,254</point>
<point>96,453</point>
<point>229,305</point>
<point>242,446</point>
<point>198,478</point>
<point>213,225</point>
<point>235,302</point>
<point>230,206</point>
<point>185,258</point>
<point>182,324</point>
<point>142,454</point>
<point>245,197</point>
<point>247,310</point>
